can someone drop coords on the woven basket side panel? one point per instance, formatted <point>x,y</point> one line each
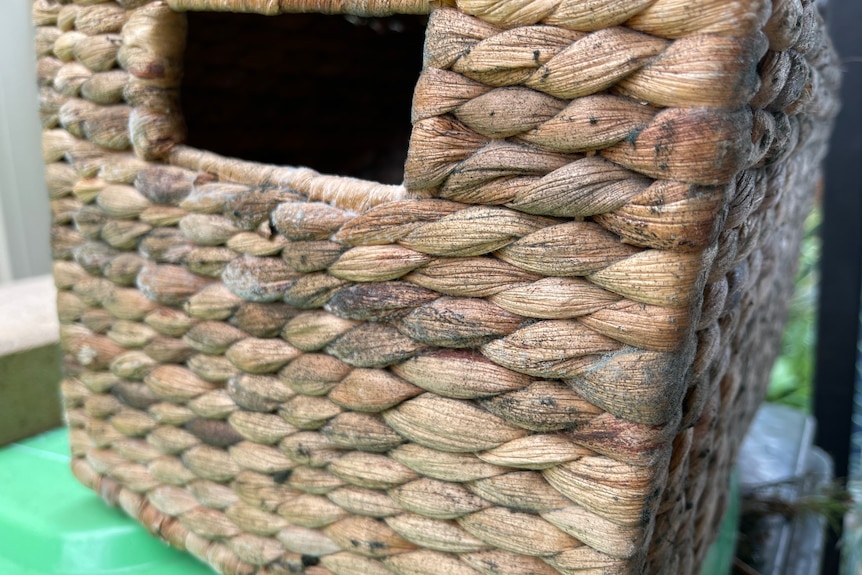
<point>537,356</point>
<point>503,124</point>
<point>751,281</point>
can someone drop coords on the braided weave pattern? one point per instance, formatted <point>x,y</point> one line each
<point>539,355</point>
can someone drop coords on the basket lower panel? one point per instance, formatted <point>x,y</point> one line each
<point>262,472</point>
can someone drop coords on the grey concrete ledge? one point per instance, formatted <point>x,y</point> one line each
<point>28,315</point>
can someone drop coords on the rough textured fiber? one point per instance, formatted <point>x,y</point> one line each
<point>538,354</point>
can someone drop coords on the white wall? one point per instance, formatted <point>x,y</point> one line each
<point>24,208</point>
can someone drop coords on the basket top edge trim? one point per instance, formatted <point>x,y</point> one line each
<point>362,8</point>
<point>345,192</point>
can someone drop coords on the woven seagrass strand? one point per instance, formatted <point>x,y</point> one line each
<point>538,355</point>
<point>368,8</point>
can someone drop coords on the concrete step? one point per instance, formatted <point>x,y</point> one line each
<point>30,359</point>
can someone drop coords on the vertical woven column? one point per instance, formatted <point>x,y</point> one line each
<point>537,356</point>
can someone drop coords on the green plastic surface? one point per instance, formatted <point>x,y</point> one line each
<point>50,524</point>
<point>719,558</point>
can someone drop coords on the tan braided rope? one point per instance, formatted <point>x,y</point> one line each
<point>538,355</point>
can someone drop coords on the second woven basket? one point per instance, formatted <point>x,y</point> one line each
<point>537,355</point>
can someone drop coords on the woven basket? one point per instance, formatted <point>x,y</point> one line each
<point>538,354</point>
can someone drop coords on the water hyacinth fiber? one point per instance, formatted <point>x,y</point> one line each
<point>536,353</point>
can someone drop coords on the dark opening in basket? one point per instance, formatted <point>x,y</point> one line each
<point>329,92</point>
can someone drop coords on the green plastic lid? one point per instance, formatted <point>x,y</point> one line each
<point>719,558</point>
<point>50,524</point>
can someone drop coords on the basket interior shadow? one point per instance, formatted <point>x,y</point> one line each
<point>329,92</point>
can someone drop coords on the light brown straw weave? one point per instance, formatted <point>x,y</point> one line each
<point>537,355</point>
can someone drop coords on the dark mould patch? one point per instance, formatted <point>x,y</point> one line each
<point>646,516</point>
<point>548,402</point>
<point>282,476</point>
<point>632,136</point>
<point>309,560</point>
<point>216,433</point>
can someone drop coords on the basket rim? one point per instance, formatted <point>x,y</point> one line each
<point>362,8</point>
<point>163,143</point>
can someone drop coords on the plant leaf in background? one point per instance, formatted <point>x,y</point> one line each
<point>792,376</point>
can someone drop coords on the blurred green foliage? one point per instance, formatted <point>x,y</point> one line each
<point>792,376</point>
